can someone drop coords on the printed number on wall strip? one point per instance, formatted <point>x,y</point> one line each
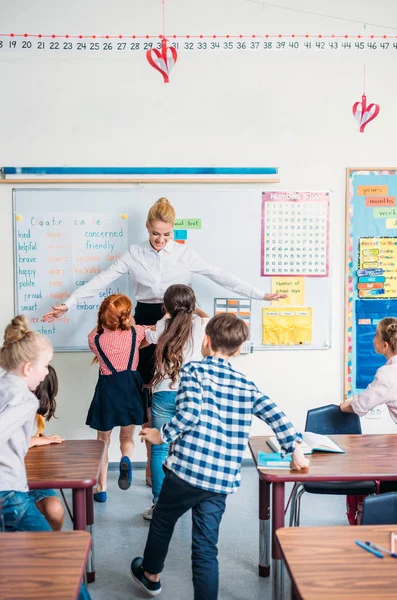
<point>91,44</point>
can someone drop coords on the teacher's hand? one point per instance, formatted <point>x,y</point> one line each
<point>270,297</point>
<point>55,313</point>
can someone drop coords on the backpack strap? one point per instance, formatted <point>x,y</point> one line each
<point>133,344</point>
<point>103,355</point>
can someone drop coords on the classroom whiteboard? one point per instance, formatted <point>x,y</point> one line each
<point>62,237</point>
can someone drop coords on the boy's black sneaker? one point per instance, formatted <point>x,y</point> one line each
<point>137,571</point>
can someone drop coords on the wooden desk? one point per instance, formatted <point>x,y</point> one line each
<point>325,563</point>
<point>366,458</point>
<point>42,565</point>
<point>72,465</point>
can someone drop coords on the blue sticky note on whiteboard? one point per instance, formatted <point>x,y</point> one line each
<point>180,234</point>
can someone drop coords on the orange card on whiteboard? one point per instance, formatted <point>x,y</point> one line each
<point>293,286</point>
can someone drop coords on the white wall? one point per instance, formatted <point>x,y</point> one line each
<point>291,111</point>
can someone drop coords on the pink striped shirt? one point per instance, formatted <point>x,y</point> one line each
<point>116,345</point>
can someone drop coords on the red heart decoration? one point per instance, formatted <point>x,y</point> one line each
<point>163,61</point>
<point>363,113</point>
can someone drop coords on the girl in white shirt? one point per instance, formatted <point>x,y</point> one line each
<point>383,389</point>
<point>178,338</point>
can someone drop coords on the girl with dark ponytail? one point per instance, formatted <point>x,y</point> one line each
<point>178,338</point>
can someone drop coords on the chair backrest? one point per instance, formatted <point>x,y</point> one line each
<point>330,420</point>
<point>380,510</point>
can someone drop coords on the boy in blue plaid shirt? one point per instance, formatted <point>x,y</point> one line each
<point>209,431</point>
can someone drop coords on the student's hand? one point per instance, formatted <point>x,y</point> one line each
<point>346,407</point>
<point>299,460</point>
<point>44,440</point>
<point>53,439</point>
<point>55,313</point>
<point>271,297</point>
<point>151,435</point>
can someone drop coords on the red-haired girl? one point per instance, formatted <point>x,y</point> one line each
<point>119,399</point>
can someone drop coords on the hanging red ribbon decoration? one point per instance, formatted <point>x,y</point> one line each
<point>163,60</point>
<point>365,114</point>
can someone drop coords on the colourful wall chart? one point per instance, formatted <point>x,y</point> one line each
<point>371,269</point>
<point>241,307</point>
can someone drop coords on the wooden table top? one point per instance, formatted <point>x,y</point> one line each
<point>73,464</point>
<point>325,562</point>
<point>367,457</point>
<point>42,565</point>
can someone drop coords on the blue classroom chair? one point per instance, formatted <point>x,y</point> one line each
<point>329,420</point>
<point>380,510</point>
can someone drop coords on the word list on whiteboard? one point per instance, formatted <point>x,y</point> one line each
<point>295,234</point>
<point>56,253</point>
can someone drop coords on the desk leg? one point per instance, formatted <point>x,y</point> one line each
<point>264,528</point>
<point>90,570</point>
<point>294,593</point>
<point>278,521</point>
<point>79,509</point>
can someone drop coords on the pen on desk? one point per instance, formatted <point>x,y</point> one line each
<point>369,549</point>
<point>376,547</point>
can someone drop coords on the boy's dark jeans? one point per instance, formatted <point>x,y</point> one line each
<point>176,498</point>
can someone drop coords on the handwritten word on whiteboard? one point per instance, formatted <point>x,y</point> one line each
<point>55,253</point>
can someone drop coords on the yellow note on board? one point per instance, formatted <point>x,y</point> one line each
<point>293,286</point>
<point>287,326</point>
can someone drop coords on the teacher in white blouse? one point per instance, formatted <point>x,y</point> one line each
<point>153,266</point>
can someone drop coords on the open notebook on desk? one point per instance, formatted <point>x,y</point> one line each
<point>311,442</point>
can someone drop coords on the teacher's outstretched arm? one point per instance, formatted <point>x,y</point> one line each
<point>91,288</point>
<point>228,280</point>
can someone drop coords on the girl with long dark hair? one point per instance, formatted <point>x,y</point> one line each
<point>178,338</point>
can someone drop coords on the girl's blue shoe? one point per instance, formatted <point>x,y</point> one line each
<point>125,477</point>
<point>100,496</point>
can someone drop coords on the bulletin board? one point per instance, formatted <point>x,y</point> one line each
<point>65,236</point>
<point>371,269</point>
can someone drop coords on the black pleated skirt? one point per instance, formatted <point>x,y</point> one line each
<point>147,314</point>
<point>119,400</point>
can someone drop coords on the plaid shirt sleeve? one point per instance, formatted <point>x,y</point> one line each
<point>269,412</point>
<point>187,406</point>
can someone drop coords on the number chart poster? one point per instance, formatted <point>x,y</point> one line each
<point>371,270</point>
<point>56,253</point>
<point>295,234</point>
